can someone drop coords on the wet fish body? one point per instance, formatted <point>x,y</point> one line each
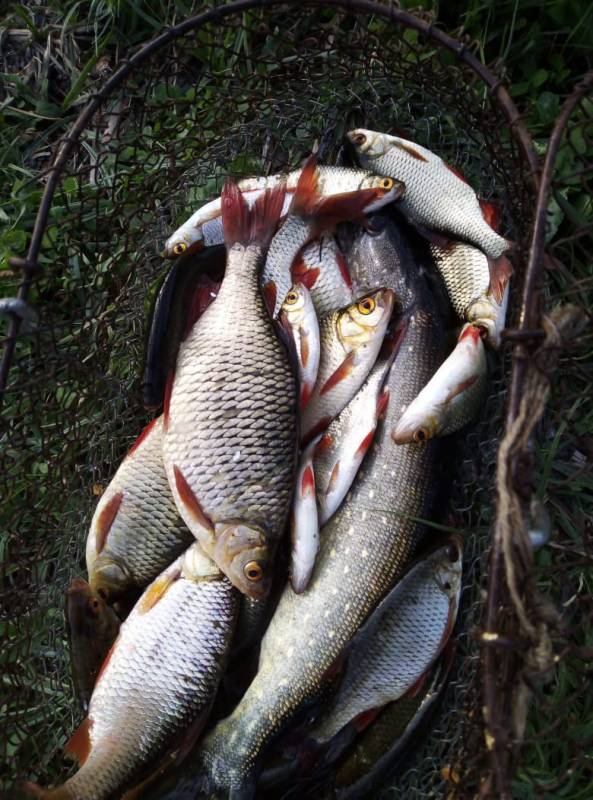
<point>231,438</point>
<point>136,530</point>
<point>364,548</point>
<point>92,628</point>
<point>322,268</point>
<point>436,197</point>
<point>343,446</point>
<point>305,523</point>
<point>204,226</point>
<point>350,342</point>
<point>400,642</point>
<point>299,312</point>
<point>158,682</point>
<point>452,397</point>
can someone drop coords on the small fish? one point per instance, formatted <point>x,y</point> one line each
<point>136,530</point>
<point>342,448</point>
<point>300,314</point>
<point>204,227</point>
<point>305,525</point>
<point>310,214</point>
<point>350,342</point>
<point>322,268</point>
<point>156,686</point>
<point>400,641</point>
<point>230,443</point>
<point>452,397</point>
<point>436,197</point>
<point>92,628</point>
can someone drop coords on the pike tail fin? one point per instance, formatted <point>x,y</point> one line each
<point>244,225</point>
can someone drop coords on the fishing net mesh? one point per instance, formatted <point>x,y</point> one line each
<point>247,94</point>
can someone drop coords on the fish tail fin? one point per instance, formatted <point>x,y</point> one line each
<point>326,212</point>
<point>257,225</point>
<point>501,270</point>
<point>27,790</point>
<point>490,212</point>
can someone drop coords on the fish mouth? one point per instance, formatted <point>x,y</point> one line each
<point>242,551</point>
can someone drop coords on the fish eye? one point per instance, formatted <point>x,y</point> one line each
<point>95,606</point>
<point>180,248</point>
<point>366,306</point>
<point>103,593</point>
<point>387,183</point>
<point>253,571</point>
<point>360,138</point>
<point>291,297</point>
<point>421,435</point>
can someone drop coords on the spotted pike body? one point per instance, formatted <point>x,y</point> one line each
<point>156,688</point>
<point>363,550</point>
<point>136,530</point>
<point>230,442</point>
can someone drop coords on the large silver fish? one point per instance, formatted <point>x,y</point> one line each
<point>350,342</point>
<point>400,642</point>
<point>436,197</point>
<point>363,550</point>
<point>322,268</point>
<point>136,530</point>
<point>342,448</point>
<point>157,685</point>
<point>452,397</point>
<point>310,214</point>
<point>204,227</point>
<point>230,443</point>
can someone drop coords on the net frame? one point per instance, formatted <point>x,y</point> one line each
<point>461,51</point>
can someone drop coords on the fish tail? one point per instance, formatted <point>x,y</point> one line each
<point>325,212</point>
<point>257,225</point>
<point>501,270</point>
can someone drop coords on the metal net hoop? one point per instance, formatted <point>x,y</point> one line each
<point>272,78</point>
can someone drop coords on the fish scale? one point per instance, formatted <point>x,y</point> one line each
<point>363,550</point>
<point>331,289</point>
<point>147,532</point>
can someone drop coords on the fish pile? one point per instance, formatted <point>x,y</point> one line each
<point>266,599</point>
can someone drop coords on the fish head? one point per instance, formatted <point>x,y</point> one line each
<point>418,423</point>
<point>243,553</point>
<point>385,188</point>
<point>297,304</point>
<point>109,578</point>
<point>369,144</point>
<point>362,322</point>
<point>86,609</point>
<point>183,242</point>
<point>447,566</point>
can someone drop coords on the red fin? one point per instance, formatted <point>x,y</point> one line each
<point>344,271</point>
<point>167,400</point>
<point>270,292</point>
<point>106,661</point>
<point>308,481</point>
<point>392,342</point>
<point>304,347</point>
<point>490,212</point>
<point>365,444</point>
<point>79,744</point>
<point>157,590</point>
<point>142,437</point>
<point>340,373</point>
<point>305,397</point>
<point>203,297</point>
<point>382,402</point>
<point>411,151</point>
<point>333,478</point>
<point>189,500</point>
<point>309,279</point>
<point>301,273</point>
<point>362,721</point>
<point>306,195</point>
<point>457,172</point>
<point>316,430</point>
<point>461,387</point>
<point>246,226</point>
<point>323,444</point>
<point>106,519</point>
<point>501,270</point>
<point>471,332</point>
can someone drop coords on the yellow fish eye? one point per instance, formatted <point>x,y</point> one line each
<point>253,571</point>
<point>291,298</point>
<point>387,183</point>
<point>179,248</point>
<point>366,306</point>
<point>422,435</point>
